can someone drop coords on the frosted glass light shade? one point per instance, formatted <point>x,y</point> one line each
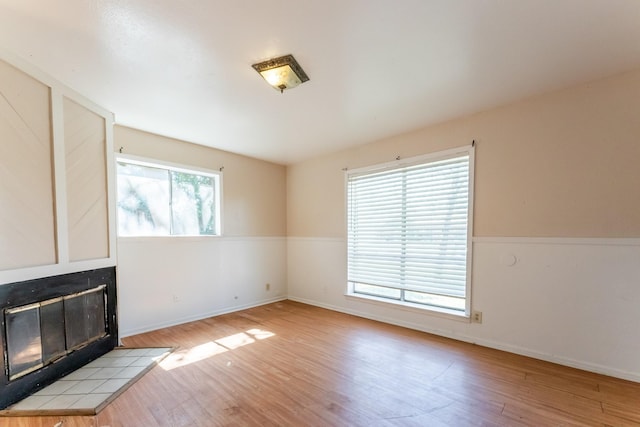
<point>282,73</point>
<point>281,78</point>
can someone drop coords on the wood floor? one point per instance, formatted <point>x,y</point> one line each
<point>290,364</point>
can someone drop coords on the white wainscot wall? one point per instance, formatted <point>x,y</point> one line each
<point>167,281</point>
<point>571,301</point>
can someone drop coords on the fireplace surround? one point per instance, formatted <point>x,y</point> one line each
<point>52,326</point>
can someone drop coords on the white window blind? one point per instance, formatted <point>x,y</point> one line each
<point>408,232</point>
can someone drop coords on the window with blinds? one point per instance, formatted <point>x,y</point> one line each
<point>409,230</point>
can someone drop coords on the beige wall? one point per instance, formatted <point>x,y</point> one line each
<point>565,164</point>
<point>86,170</point>
<point>254,197</point>
<point>27,222</point>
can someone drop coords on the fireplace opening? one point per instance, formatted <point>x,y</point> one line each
<point>38,334</point>
<point>53,326</point>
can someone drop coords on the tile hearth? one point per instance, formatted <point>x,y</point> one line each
<point>89,389</point>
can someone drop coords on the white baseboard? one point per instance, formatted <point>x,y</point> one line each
<point>599,369</point>
<point>193,318</point>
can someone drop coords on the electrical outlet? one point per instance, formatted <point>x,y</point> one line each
<point>268,286</point>
<point>476,317</point>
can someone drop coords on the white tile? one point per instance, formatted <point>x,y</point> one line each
<point>138,352</point>
<point>111,386</point>
<point>130,372</point>
<point>32,402</point>
<point>56,388</point>
<point>118,352</point>
<point>112,362</point>
<point>155,352</point>
<point>123,361</point>
<point>101,362</point>
<point>106,373</point>
<point>81,374</point>
<point>91,385</point>
<point>63,401</point>
<point>84,387</point>
<point>90,401</point>
<point>143,361</point>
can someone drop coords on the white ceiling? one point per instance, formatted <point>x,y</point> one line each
<point>377,67</point>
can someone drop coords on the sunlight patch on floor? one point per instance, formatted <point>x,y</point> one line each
<point>184,357</point>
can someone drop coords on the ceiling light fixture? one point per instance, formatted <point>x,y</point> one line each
<point>281,73</point>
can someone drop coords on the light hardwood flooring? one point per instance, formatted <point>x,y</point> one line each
<point>290,364</point>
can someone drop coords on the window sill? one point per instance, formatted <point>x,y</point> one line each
<point>410,307</point>
<point>170,238</point>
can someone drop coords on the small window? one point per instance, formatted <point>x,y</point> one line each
<point>409,231</point>
<point>156,199</point>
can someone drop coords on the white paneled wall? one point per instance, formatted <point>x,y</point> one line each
<point>86,178</point>
<point>27,222</point>
<point>56,146</point>
<point>570,301</point>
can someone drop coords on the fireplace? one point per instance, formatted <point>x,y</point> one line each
<point>53,326</point>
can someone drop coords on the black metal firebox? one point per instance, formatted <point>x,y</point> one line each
<point>53,326</point>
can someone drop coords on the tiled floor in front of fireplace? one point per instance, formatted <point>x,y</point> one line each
<point>88,389</point>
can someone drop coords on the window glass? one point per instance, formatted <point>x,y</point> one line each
<point>193,204</point>
<point>155,200</point>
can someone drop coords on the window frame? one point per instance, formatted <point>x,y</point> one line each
<point>467,150</point>
<point>175,167</point>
